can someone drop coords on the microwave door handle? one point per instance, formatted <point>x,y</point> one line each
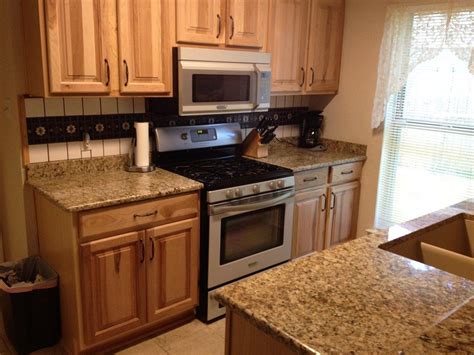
<point>258,100</point>
<point>214,210</point>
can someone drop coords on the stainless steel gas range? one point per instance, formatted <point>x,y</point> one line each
<point>246,208</point>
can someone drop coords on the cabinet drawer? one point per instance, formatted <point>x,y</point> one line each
<point>311,178</point>
<point>345,172</point>
<point>136,215</point>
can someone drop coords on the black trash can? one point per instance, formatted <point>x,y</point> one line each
<point>29,297</point>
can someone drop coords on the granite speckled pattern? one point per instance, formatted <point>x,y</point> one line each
<point>357,297</point>
<point>285,153</point>
<point>88,190</point>
<point>455,333</point>
<point>73,167</point>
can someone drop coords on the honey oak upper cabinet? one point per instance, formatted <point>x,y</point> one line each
<point>247,23</point>
<point>101,47</point>
<point>325,45</point>
<point>78,45</point>
<point>200,21</point>
<point>305,39</point>
<point>237,23</point>
<point>144,46</point>
<point>288,30</point>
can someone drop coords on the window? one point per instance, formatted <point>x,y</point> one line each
<point>428,152</point>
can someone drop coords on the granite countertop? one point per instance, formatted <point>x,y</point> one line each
<point>357,297</point>
<point>86,184</point>
<point>285,153</point>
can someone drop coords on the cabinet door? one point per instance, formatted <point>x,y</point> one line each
<point>173,264</point>
<point>77,42</point>
<point>325,45</point>
<point>247,23</point>
<point>200,21</point>
<point>343,211</point>
<point>113,285</point>
<point>288,28</point>
<point>309,221</point>
<point>144,46</point>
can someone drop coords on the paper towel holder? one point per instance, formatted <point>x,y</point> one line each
<point>131,167</point>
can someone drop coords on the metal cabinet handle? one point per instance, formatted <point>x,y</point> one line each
<point>347,172</point>
<point>333,200</point>
<point>142,259</point>
<point>218,25</point>
<point>107,72</point>
<point>310,179</point>
<point>126,72</point>
<point>231,27</point>
<point>312,76</point>
<point>324,203</point>
<point>302,82</point>
<point>152,249</point>
<point>154,213</point>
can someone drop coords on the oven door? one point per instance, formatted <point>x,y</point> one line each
<point>214,87</point>
<point>249,235</point>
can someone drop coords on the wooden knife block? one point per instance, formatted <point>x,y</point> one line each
<point>252,146</point>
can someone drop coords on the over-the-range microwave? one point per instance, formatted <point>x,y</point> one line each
<point>216,81</point>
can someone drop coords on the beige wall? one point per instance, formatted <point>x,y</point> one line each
<point>348,115</point>
<point>12,206</point>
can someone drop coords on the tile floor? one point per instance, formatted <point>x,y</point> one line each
<point>194,338</point>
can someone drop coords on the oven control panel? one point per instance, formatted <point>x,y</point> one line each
<point>250,189</point>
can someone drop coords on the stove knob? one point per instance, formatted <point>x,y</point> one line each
<point>280,183</point>
<point>238,192</point>
<point>272,185</point>
<point>228,194</point>
<point>256,189</point>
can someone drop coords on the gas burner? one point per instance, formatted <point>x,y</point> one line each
<point>225,172</point>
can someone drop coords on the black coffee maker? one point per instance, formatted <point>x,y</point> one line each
<point>311,123</point>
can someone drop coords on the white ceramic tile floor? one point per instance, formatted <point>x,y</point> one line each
<point>194,338</point>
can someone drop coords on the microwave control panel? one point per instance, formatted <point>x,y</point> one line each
<point>265,86</point>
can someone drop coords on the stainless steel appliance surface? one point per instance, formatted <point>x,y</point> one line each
<point>247,205</point>
<point>216,81</point>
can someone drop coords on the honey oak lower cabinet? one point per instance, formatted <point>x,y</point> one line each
<point>171,278</point>
<point>125,271</point>
<point>113,285</point>
<point>326,207</point>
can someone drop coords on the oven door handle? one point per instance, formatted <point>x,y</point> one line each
<point>214,210</point>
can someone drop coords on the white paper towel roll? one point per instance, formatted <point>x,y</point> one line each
<point>142,151</point>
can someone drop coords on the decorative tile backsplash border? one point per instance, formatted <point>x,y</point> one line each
<point>56,126</point>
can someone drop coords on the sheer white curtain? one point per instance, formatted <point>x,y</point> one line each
<point>417,32</point>
<point>425,94</point>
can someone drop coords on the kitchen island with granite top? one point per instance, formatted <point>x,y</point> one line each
<point>355,297</point>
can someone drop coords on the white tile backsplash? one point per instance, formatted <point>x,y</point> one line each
<point>73,106</point>
<point>111,147</point>
<point>139,105</point>
<point>125,105</point>
<point>125,145</point>
<point>34,107</point>
<point>74,150</point>
<point>38,153</point>
<point>109,106</point>
<point>54,107</point>
<point>91,105</point>
<point>295,130</point>
<point>287,131</point>
<point>86,154</point>
<point>57,151</point>
<point>97,148</point>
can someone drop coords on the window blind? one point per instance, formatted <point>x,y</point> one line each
<point>428,149</point>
